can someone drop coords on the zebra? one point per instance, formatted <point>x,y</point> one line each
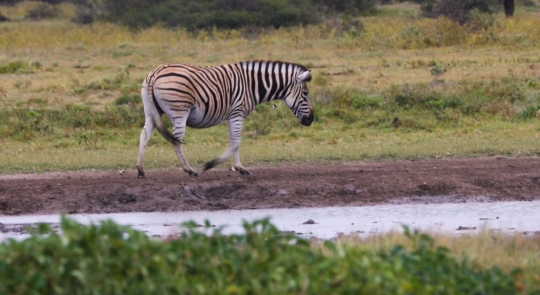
<point>202,97</point>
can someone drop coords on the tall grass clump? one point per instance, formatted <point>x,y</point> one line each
<point>25,124</point>
<point>437,102</point>
<point>121,81</point>
<point>19,67</point>
<point>113,259</point>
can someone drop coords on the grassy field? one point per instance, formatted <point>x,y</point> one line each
<point>458,91</point>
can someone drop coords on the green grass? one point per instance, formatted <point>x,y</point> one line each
<point>317,144</point>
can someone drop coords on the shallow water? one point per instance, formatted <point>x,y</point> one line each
<point>329,222</point>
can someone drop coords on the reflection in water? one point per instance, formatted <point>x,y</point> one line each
<point>327,222</point>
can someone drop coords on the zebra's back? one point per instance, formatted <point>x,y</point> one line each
<point>208,93</point>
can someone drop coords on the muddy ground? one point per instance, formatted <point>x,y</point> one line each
<point>352,184</point>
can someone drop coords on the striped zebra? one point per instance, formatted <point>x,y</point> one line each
<point>203,97</point>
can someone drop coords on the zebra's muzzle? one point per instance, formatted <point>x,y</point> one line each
<point>306,121</point>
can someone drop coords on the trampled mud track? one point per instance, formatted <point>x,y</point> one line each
<point>352,184</point>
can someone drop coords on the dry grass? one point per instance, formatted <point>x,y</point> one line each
<point>391,51</point>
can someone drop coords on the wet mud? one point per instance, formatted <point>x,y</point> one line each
<point>293,186</point>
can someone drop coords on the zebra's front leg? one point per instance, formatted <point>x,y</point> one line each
<point>238,166</point>
<point>235,132</point>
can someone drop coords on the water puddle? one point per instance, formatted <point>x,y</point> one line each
<point>324,223</point>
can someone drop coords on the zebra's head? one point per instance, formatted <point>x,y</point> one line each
<point>298,99</point>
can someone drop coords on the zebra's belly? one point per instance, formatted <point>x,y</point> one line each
<point>197,119</point>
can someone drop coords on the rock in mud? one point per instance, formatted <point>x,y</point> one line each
<point>466,228</point>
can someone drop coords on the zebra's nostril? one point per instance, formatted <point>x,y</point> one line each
<point>306,121</point>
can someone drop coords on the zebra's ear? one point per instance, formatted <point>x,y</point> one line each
<point>305,76</point>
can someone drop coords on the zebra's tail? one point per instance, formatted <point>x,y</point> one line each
<point>151,109</point>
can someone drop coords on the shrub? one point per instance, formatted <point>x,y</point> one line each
<point>353,7</point>
<point>529,112</point>
<point>19,67</point>
<point>527,3</point>
<point>416,96</point>
<point>113,259</point>
<point>84,15</point>
<point>342,26</point>
<point>3,18</point>
<point>361,101</point>
<point>457,10</point>
<point>209,14</point>
<point>230,14</point>
<point>12,67</point>
<point>128,99</point>
<point>121,81</point>
<point>43,10</point>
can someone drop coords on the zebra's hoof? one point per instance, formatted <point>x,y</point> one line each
<point>193,174</point>
<point>141,175</point>
<point>245,172</point>
<point>211,164</point>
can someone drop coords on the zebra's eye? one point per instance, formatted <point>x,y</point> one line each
<point>305,93</point>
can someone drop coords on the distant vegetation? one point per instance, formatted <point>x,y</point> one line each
<point>204,14</point>
<point>234,14</point>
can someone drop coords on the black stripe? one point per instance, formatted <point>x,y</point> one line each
<point>260,81</point>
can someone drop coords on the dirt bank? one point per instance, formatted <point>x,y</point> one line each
<point>353,184</point>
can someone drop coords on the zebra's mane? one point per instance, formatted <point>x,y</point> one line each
<point>298,67</point>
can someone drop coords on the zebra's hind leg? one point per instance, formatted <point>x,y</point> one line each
<point>179,132</point>
<point>187,168</point>
<point>146,134</point>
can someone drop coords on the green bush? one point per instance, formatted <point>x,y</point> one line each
<point>459,10</point>
<point>208,14</point>
<point>227,14</point>
<point>42,11</point>
<point>113,259</point>
<point>354,7</point>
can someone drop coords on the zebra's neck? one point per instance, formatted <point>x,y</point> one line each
<point>270,80</point>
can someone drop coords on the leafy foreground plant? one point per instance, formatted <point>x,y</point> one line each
<point>114,259</point>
